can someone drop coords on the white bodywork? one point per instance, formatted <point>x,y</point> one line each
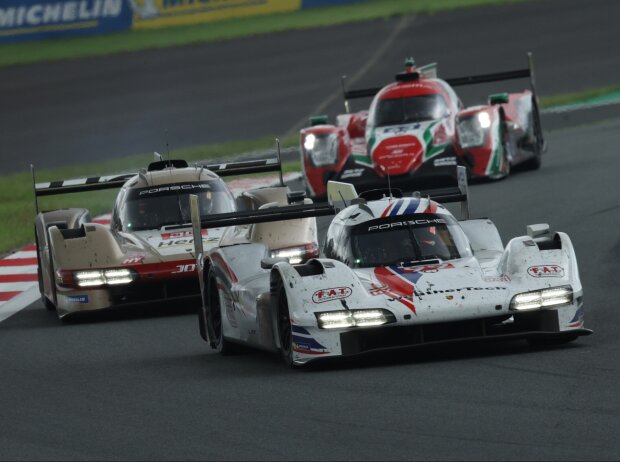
<point>478,287</point>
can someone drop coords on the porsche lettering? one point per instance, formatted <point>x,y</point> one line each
<point>179,187</point>
<point>396,224</point>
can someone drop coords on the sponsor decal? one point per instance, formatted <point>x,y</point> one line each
<point>397,224</point>
<point>303,342</point>
<point>444,161</point>
<point>327,295</point>
<point>181,234</point>
<point>423,293</point>
<point>546,271</point>
<point>77,298</point>
<point>401,129</point>
<point>502,278</point>
<point>352,173</point>
<point>189,268</point>
<point>133,260</point>
<point>162,13</point>
<point>36,19</point>
<point>431,268</point>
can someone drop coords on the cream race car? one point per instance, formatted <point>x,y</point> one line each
<point>146,254</point>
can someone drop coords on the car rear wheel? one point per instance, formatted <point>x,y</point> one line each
<point>46,301</point>
<point>285,333</point>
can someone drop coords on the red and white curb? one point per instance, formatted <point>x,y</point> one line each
<point>18,271</point>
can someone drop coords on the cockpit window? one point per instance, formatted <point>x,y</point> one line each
<point>405,239</point>
<point>166,205</point>
<point>409,110</point>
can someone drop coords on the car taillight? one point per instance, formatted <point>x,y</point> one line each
<point>297,254</point>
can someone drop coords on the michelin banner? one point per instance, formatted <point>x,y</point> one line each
<point>162,13</point>
<point>37,19</point>
<point>22,20</point>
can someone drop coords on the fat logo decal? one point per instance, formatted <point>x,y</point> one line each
<point>327,295</point>
<point>546,271</point>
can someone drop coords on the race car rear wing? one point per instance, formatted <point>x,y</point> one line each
<point>116,181</point>
<point>271,214</point>
<point>339,193</point>
<point>454,81</point>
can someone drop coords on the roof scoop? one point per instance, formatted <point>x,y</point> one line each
<point>410,73</point>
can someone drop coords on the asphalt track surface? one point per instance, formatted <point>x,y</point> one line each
<point>101,108</point>
<point>142,385</point>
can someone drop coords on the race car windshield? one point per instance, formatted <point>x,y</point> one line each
<point>167,205</point>
<point>402,240</point>
<point>408,110</point>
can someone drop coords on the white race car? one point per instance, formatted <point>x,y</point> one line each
<point>396,272</point>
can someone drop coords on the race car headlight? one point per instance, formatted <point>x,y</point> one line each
<point>537,299</point>
<point>297,254</point>
<point>472,130</point>
<point>321,149</point>
<point>353,318</point>
<point>102,277</point>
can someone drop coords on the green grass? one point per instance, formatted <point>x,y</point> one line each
<point>17,209</point>
<point>23,53</point>
<point>585,96</point>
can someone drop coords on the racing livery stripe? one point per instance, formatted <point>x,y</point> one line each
<point>577,320</point>
<point>401,288</point>
<point>432,207</point>
<point>397,206</point>
<point>387,209</point>
<point>299,329</point>
<point>411,207</point>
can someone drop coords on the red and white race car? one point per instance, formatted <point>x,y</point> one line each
<point>417,130</point>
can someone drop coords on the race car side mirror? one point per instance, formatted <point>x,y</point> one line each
<point>538,230</point>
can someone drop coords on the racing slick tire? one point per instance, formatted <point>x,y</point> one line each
<point>285,333</point>
<point>219,343</point>
<point>539,144</point>
<point>47,303</point>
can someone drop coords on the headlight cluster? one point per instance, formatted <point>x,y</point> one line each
<point>103,277</point>
<point>472,130</point>
<point>322,149</point>
<point>353,318</point>
<point>297,254</point>
<point>542,298</point>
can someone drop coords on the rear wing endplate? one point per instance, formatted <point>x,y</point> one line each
<point>460,193</point>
